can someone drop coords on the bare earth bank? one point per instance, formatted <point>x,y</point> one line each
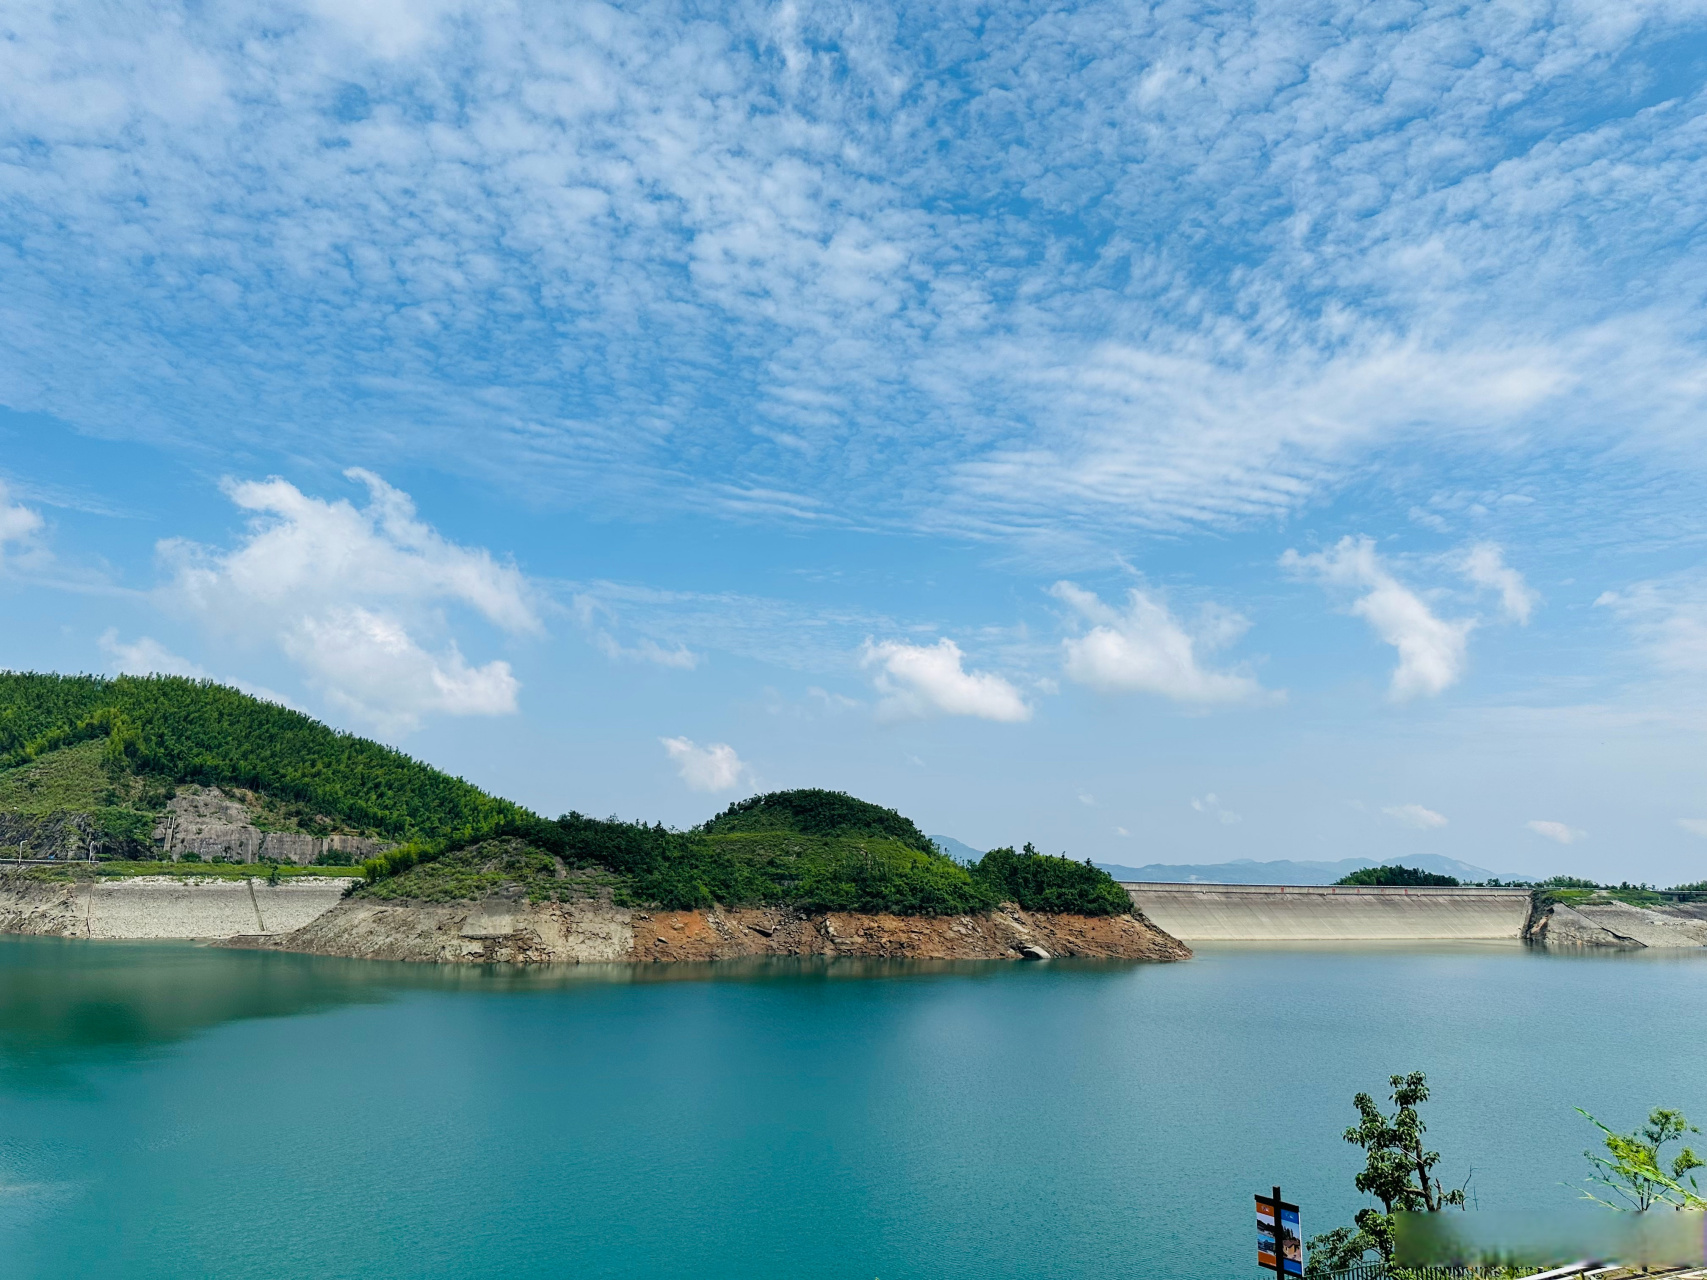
<point>533,933</point>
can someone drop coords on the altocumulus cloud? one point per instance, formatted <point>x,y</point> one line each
<point>715,767</point>
<point>774,225</point>
<point>1431,649</point>
<point>349,593</point>
<point>1145,649</point>
<point>921,680</point>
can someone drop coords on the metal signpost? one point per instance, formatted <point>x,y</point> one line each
<point>1280,1245</point>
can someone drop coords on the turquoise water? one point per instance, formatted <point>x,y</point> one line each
<point>169,1110</point>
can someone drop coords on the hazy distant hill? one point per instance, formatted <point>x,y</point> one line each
<point>1249,871</point>
<point>959,850</point>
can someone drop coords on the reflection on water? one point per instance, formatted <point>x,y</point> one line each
<point>61,998</point>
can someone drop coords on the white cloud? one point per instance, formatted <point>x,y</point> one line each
<point>681,658</point>
<point>1484,564</point>
<point>1556,831</point>
<point>348,594</point>
<point>1146,649</point>
<point>1212,806</point>
<point>1695,826</point>
<point>596,615</point>
<point>724,209</point>
<point>921,680</point>
<point>1669,620</point>
<point>146,656</point>
<point>710,768</point>
<point>1414,815</point>
<point>19,527</point>
<point>1431,649</point>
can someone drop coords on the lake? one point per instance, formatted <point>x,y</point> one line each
<point>172,1110</point>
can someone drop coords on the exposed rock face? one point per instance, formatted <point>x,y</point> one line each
<point>495,930</point>
<point>211,824</point>
<point>1618,924</point>
<point>57,835</point>
<point>514,930</point>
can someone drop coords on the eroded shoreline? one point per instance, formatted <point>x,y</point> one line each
<point>313,916</point>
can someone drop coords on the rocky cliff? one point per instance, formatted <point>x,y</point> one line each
<point>1619,925</point>
<point>211,824</point>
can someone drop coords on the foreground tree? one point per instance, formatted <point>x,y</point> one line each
<point>1398,1171</point>
<point>1637,1174</point>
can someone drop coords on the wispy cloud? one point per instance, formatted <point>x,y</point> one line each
<point>1211,805</point>
<point>1431,649</point>
<point>922,680</point>
<point>19,529</point>
<point>347,594</point>
<point>1415,816</point>
<point>1145,649</point>
<point>1558,832</point>
<point>1668,618</point>
<point>714,767</point>
<point>775,264</point>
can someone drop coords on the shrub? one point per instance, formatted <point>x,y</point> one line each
<point>1040,882</point>
<point>818,813</point>
<point>1398,876</point>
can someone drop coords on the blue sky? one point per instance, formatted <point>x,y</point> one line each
<point>1165,433</point>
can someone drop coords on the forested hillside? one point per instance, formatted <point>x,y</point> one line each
<point>177,730</point>
<point>810,849</point>
<point>113,749</point>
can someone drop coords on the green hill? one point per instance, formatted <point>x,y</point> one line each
<point>114,750</point>
<point>156,731</point>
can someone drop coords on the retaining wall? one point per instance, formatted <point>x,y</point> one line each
<point>1310,913</point>
<point>163,906</point>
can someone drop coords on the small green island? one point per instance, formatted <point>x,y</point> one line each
<point>135,777</point>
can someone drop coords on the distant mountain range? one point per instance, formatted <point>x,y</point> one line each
<point>1249,871</point>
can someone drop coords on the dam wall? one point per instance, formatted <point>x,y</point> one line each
<point>1323,913</point>
<point>163,906</point>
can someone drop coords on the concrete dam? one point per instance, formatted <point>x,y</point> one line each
<point>1331,913</point>
<point>163,906</point>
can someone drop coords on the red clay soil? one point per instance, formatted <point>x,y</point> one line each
<point>721,933</point>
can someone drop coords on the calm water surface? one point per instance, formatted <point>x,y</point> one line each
<point>170,1110</point>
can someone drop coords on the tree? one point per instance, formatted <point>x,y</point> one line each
<point>1634,1170</point>
<point>1398,1171</point>
<point>1397,876</point>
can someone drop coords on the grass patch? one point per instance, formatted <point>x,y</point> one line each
<point>489,867</point>
<point>68,781</point>
<point>1632,894</point>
